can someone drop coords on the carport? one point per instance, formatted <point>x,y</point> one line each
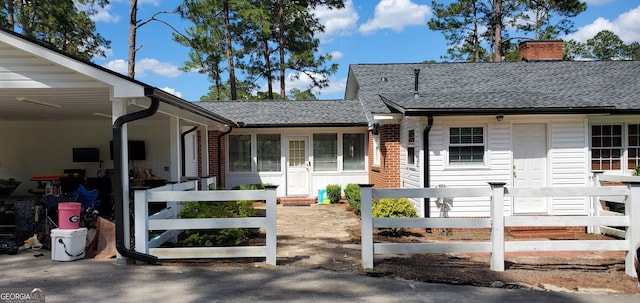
<point>52,103</point>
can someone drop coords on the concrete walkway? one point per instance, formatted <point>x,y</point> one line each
<point>316,240</point>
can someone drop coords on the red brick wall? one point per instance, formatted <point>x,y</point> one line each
<point>541,50</point>
<point>387,174</point>
<point>215,158</point>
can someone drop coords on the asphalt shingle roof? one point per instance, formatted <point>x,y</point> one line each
<point>560,86</point>
<point>290,113</point>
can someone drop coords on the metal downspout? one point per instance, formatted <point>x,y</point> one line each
<point>183,148</point>
<point>118,190</point>
<point>427,166</point>
<point>220,154</point>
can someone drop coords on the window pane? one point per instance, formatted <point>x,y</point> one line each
<point>606,147</point>
<point>466,145</point>
<point>268,148</point>
<point>240,153</point>
<point>297,157</point>
<point>353,152</point>
<point>325,152</point>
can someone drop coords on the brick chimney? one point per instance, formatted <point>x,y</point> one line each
<point>541,50</point>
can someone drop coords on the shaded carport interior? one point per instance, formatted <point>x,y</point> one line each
<point>51,103</point>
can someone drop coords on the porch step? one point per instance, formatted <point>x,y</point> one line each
<point>297,200</point>
<point>542,233</point>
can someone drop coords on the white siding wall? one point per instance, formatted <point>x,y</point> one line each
<point>568,160</point>
<point>411,175</point>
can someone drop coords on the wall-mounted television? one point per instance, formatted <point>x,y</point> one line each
<point>86,154</point>
<point>137,150</point>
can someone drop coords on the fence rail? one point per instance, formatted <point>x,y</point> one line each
<point>497,246</point>
<point>168,222</point>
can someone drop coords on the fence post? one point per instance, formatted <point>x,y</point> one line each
<point>632,209</point>
<point>366,230</point>
<point>141,220</point>
<point>271,223</point>
<point>497,226</point>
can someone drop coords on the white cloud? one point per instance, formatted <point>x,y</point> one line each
<point>117,65</point>
<point>152,2</point>
<point>160,68</point>
<point>144,66</point>
<point>596,2</point>
<point>626,26</point>
<point>335,90</point>
<point>337,22</point>
<point>105,15</point>
<point>172,91</point>
<point>303,81</point>
<point>335,55</point>
<point>396,14</point>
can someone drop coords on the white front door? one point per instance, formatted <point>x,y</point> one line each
<point>298,166</point>
<point>530,165</point>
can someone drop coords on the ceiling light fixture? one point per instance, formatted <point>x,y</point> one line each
<point>23,99</point>
<point>102,115</point>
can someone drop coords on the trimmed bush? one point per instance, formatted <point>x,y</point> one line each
<point>334,193</point>
<point>352,193</point>
<point>394,208</point>
<point>215,237</point>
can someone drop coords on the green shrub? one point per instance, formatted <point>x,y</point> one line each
<point>352,193</point>
<point>249,186</point>
<point>334,192</point>
<point>215,237</point>
<point>636,171</point>
<point>394,208</point>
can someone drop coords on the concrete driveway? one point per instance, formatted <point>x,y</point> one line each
<point>90,280</point>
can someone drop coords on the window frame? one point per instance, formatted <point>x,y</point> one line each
<point>411,148</point>
<point>258,155</point>
<point>363,153</point>
<point>230,159</point>
<point>463,165</point>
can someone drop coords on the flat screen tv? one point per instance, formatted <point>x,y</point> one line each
<point>137,150</point>
<point>86,154</point>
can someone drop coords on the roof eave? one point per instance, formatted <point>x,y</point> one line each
<point>172,100</point>
<point>513,111</point>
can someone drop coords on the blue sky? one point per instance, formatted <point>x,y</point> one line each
<point>365,31</point>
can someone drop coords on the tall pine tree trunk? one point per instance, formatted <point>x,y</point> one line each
<point>267,64</point>
<point>282,48</point>
<point>497,30</point>
<point>476,41</point>
<point>229,46</point>
<point>133,16</point>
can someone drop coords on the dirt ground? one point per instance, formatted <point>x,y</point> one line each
<point>549,271</point>
<point>598,272</point>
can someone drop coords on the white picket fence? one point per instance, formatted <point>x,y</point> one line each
<point>170,225</point>
<point>497,222</point>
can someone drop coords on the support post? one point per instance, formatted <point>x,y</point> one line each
<point>632,209</point>
<point>141,211</point>
<point>497,226</point>
<point>366,233</point>
<point>271,240</point>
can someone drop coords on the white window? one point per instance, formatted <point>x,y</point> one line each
<point>268,152</point>
<point>240,153</point>
<point>325,152</point>
<point>466,145</point>
<point>353,149</point>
